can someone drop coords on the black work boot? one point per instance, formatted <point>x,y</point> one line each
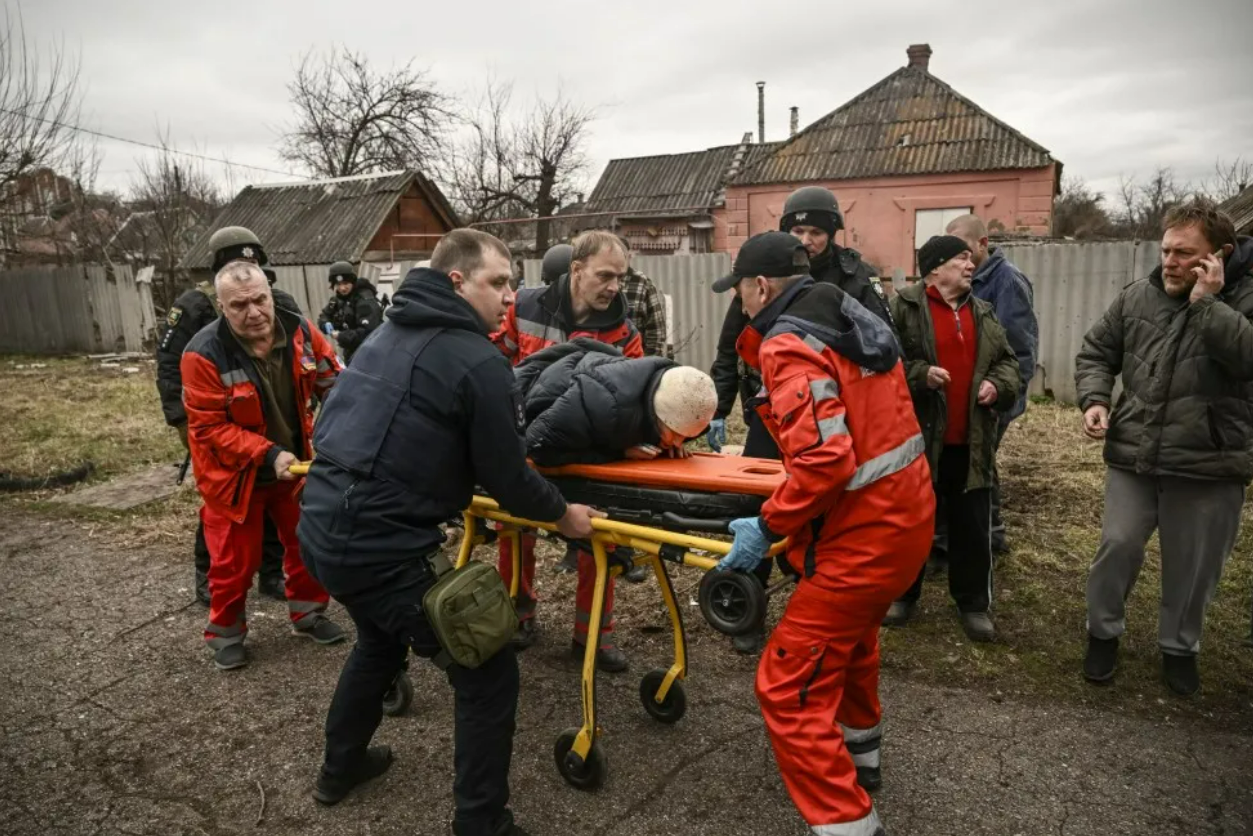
<point>1180,674</point>
<point>202,588</point>
<point>272,586</point>
<point>230,657</point>
<point>750,644</point>
<point>333,790</point>
<point>609,659</point>
<point>1101,659</point>
<point>527,635</point>
<point>899,614</point>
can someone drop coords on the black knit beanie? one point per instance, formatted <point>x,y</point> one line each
<point>937,250</point>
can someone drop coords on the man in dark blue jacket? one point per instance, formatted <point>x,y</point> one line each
<point>421,416</point>
<point>998,282</point>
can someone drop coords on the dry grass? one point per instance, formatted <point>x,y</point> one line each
<point>72,410</point>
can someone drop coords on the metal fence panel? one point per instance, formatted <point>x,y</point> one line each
<point>1074,284</point>
<point>78,308</point>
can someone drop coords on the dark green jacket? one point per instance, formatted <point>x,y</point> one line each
<point>994,361</point>
<point>1187,371</point>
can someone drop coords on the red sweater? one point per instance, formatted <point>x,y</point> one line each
<point>955,352</point>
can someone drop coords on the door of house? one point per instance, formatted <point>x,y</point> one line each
<point>928,222</point>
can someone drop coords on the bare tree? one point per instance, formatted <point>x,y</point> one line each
<point>1144,205</point>
<point>352,119</point>
<point>40,101</point>
<point>1228,180</point>
<point>172,201</point>
<point>526,164</point>
<point>1079,211</point>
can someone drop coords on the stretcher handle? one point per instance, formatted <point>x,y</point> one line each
<point>674,520</point>
<point>299,468</point>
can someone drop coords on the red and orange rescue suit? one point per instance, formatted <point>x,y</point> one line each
<point>859,508</point>
<point>539,318</point>
<point>230,420</point>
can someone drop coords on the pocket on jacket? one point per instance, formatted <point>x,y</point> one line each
<point>245,409</point>
<point>792,407</point>
<point>1215,434</point>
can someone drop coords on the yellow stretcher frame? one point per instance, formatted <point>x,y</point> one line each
<point>579,758</point>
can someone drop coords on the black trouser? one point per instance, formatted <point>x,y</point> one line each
<point>389,622</point>
<point>968,515</point>
<point>940,543</point>
<point>998,524</point>
<point>759,444</point>
<point>271,551</point>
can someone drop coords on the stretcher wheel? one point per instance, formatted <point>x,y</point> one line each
<point>732,602</point>
<point>587,775</point>
<point>673,707</point>
<point>399,696</point>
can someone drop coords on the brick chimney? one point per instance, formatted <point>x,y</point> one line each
<point>919,55</point>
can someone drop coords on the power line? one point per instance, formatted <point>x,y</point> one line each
<point>150,145</point>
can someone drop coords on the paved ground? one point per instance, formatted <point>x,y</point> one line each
<point>114,722</point>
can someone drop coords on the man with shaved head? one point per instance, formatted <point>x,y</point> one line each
<point>998,282</point>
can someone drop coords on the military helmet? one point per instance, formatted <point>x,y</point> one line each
<point>341,271</point>
<point>231,243</point>
<point>556,263</point>
<point>812,206</point>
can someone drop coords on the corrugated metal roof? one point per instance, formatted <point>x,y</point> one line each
<point>1240,208</point>
<point>316,222</point>
<point>669,183</point>
<point>908,123</point>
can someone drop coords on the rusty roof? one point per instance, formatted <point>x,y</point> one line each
<point>317,221</point>
<point>908,123</point>
<point>1240,209</point>
<point>670,184</point>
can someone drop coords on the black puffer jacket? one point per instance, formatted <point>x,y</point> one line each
<point>587,403</point>
<point>840,266</point>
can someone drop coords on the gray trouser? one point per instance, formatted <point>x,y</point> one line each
<point>1197,522</point>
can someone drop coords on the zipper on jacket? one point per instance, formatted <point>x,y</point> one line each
<point>348,492</point>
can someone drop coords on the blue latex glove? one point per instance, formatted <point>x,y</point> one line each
<point>328,329</point>
<point>717,435</point>
<point>749,548</point>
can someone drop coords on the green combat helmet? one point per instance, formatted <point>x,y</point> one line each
<point>232,243</point>
<point>341,268</point>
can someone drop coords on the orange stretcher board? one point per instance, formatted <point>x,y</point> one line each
<point>712,472</point>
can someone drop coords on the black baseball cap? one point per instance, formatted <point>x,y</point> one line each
<point>775,255</point>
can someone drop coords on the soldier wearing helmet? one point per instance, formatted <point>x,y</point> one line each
<point>191,312</point>
<point>812,215</point>
<point>353,310</point>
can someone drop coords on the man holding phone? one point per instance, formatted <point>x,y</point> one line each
<point>1179,442</point>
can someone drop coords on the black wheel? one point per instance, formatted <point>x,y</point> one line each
<point>673,707</point>
<point>398,697</point>
<point>732,602</point>
<point>587,775</point>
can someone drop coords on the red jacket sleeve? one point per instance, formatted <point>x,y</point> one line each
<point>209,426</point>
<point>328,362</point>
<point>635,344</point>
<point>813,435</point>
<point>506,339</point>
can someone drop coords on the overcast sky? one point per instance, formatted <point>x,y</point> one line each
<point>1110,88</point>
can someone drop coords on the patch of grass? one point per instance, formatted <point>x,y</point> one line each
<point>74,410</point>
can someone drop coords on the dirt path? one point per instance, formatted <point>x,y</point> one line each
<point>114,722</point>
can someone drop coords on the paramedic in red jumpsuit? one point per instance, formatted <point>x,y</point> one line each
<point>859,510</point>
<point>587,302</point>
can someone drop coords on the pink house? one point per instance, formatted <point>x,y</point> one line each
<point>903,158</point>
